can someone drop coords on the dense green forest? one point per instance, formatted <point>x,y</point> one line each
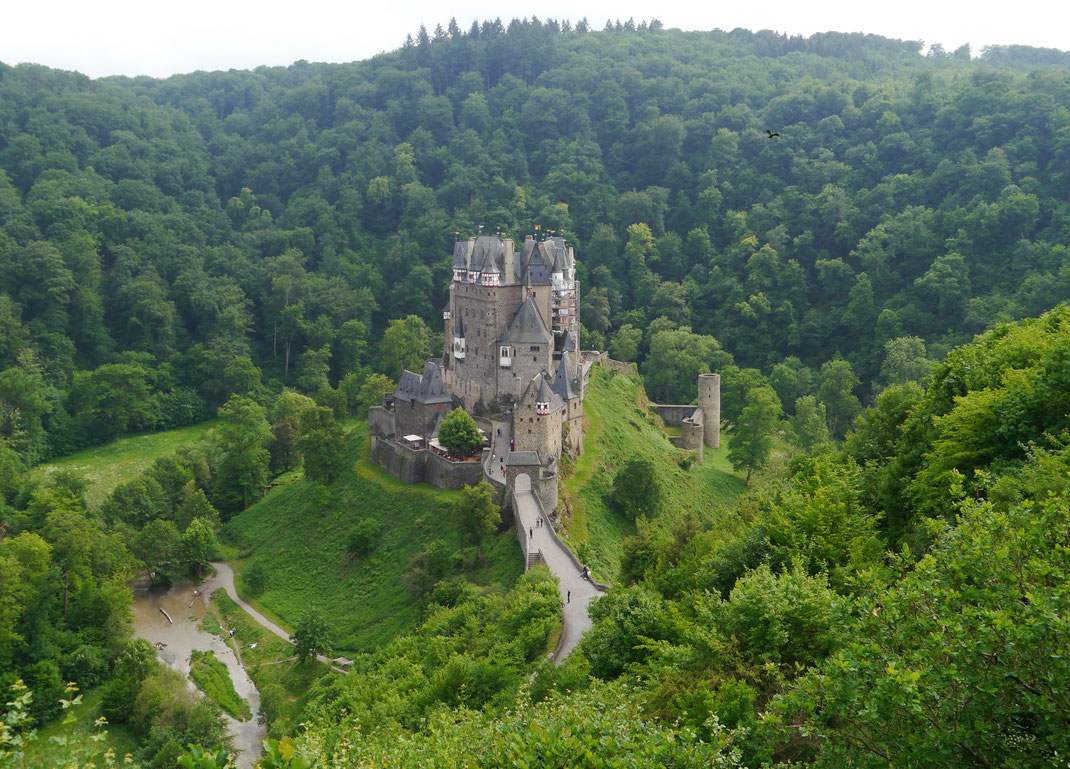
<point>270,248</point>
<point>165,244</point>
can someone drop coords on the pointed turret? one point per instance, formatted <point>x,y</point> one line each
<point>542,398</point>
<point>491,275</point>
<point>566,384</point>
<point>460,260</point>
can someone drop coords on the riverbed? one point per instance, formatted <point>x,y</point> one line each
<point>185,636</point>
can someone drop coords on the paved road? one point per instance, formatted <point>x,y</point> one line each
<point>224,578</point>
<point>574,607</point>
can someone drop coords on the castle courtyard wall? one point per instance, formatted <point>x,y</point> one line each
<point>422,466</point>
<point>380,421</point>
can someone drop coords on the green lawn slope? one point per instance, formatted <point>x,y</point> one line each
<point>124,459</point>
<point>622,428</point>
<point>300,532</point>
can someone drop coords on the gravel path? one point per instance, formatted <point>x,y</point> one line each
<point>224,578</point>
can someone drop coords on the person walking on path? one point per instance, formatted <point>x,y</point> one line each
<point>531,532</point>
<point>568,596</point>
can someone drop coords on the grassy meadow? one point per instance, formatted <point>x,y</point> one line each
<point>300,532</point>
<point>622,428</point>
<point>213,678</point>
<point>124,459</point>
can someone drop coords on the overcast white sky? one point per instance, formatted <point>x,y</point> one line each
<point>159,38</point>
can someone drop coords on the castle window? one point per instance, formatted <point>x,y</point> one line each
<point>534,348</point>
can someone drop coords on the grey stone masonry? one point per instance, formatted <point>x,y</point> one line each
<point>512,344</point>
<point>709,400</point>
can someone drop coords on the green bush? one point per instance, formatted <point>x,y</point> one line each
<point>364,536</point>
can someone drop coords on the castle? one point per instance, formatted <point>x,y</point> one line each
<point>512,347</point>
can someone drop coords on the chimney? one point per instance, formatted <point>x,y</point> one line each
<point>508,264</point>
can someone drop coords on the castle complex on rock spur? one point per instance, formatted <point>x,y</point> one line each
<point>512,350</point>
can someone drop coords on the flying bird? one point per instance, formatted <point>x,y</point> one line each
<point>771,133</point>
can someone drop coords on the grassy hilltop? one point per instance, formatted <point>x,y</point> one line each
<point>622,428</point>
<point>299,533</point>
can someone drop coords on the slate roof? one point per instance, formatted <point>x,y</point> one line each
<point>522,458</point>
<point>477,257</point>
<point>527,327</point>
<point>458,327</point>
<point>544,393</point>
<point>429,388</point>
<point>408,386</point>
<point>460,255</point>
<point>537,270</point>
<point>566,384</point>
<point>569,342</point>
<point>560,260</point>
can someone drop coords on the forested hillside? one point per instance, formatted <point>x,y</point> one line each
<point>165,244</point>
<point>868,239</point>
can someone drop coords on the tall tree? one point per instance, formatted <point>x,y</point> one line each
<point>479,515</point>
<point>312,635</point>
<point>752,438</point>
<point>322,445</point>
<point>241,442</point>
<point>405,345</point>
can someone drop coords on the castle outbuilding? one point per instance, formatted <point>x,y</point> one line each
<point>700,425</point>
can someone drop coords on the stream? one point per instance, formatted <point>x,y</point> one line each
<point>185,636</point>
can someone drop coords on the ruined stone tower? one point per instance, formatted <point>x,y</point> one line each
<point>709,400</point>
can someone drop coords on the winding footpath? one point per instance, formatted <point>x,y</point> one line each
<point>224,578</point>
<point>577,593</point>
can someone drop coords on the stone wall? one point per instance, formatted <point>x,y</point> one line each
<point>414,418</point>
<point>543,482</point>
<point>403,463</point>
<point>692,433</point>
<point>674,415</point>
<point>380,421</point>
<point>453,475</point>
<point>485,311</point>
<point>412,466</point>
<point>527,363</point>
<point>545,488</point>
<point>616,365</point>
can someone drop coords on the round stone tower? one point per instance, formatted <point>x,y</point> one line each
<point>709,400</point>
